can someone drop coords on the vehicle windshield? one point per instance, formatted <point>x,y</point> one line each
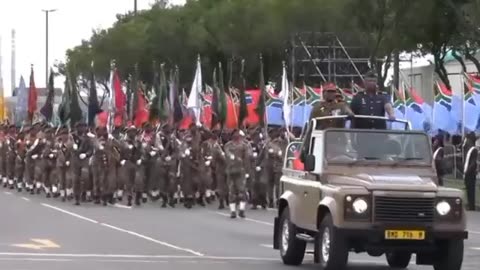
<point>351,146</point>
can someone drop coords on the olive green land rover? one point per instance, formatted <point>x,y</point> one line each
<point>365,190</point>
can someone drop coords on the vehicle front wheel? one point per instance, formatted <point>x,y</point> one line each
<point>399,260</point>
<point>450,255</point>
<point>332,248</point>
<point>292,250</point>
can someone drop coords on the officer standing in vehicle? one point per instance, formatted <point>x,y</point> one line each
<point>330,107</point>
<point>371,102</point>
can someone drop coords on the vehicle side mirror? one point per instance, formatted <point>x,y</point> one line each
<point>309,163</point>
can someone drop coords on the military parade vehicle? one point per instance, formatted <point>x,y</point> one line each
<point>367,190</point>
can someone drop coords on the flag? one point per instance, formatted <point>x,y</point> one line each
<point>263,93</point>
<point>176,104</point>
<point>3,113</point>
<point>215,104</point>
<point>64,107</point>
<point>284,95</point>
<point>162,101</point>
<point>132,95</point>
<point>93,106</point>
<point>222,99</point>
<point>471,110</point>
<point>243,111</point>
<point>32,97</point>
<point>442,106</point>
<point>194,99</point>
<point>76,114</point>
<point>47,109</point>
<point>415,110</point>
<point>141,111</point>
<point>118,100</point>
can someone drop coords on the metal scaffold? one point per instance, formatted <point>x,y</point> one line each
<point>318,57</point>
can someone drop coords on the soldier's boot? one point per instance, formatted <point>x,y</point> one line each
<point>138,196</point>
<point>88,196</point>
<point>77,199</point>
<point>164,200</point>
<point>19,186</point>
<point>83,197</point>
<point>120,195</point>
<point>111,199</point>
<point>11,183</point>
<point>188,202</point>
<point>209,196</point>
<point>49,195</point>
<point>241,211</point>
<point>4,181</point>
<point>32,190</point>
<point>105,199</point>
<point>233,210</point>
<point>270,204</point>
<point>200,201</point>
<point>97,199</point>
<point>129,200</point>
<point>38,187</point>
<point>63,195</point>
<point>144,197</point>
<point>171,201</point>
<point>221,204</point>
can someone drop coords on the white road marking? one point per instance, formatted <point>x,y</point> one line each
<point>475,248</point>
<point>267,245</point>
<point>123,230</point>
<point>247,219</point>
<point>25,199</point>
<point>131,256</point>
<point>8,193</point>
<point>35,259</point>
<point>473,232</point>
<point>70,213</point>
<point>129,261</point>
<point>121,206</point>
<point>152,240</point>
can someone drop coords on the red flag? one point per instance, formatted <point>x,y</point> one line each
<point>141,114</point>
<point>120,99</point>
<point>32,97</point>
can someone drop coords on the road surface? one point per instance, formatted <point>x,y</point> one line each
<point>39,233</point>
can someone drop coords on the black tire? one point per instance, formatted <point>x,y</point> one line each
<point>293,250</point>
<point>398,260</point>
<point>449,256</point>
<point>337,256</point>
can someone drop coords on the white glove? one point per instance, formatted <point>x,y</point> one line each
<point>199,125</point>
<point>152,153</point>
<point>130,146</point>
<point>183,155</point>
<point>168,158</point>
<point>280,153</point>
<point>110,136</point>
<point>28,142</point>
<point>75,146</point>
<point>207,163</point>
<point>50,155</point>
<point>91,135</point>
<point>255,154</point>
<point>187,152</point>
<point>8,142</point>
<point>258,168</point>
<point>82,156</point>
<point>270,150</point>
<point>232,157</point>
<point>101,147</point>
<point>139,162</point>
<point>122,162</point>
<point>247,175</point>
<point>208,157</point>
<point>67,163</point>
<point>260,135</point>
<point>160,147</point>
<point>34,156</point>
<point>144,145</point>
<point>44,140</point>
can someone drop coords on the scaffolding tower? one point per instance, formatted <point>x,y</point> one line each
<point>319,57</point>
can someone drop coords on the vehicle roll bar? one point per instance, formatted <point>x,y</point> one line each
<point>347,117</point>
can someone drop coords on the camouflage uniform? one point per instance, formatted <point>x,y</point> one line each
<point>272,164</point>
<point>237,155</point>
<point>49,164</point>
<point>82,150</point>
<point>64,175</point>
<point>130,154</point>
<point>189,169</point>
<point>258,187</point>
<point>11,156</point>
<point>20,160</point>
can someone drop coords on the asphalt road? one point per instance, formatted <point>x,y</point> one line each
<point>39,233</point>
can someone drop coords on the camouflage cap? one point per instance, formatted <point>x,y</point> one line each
<point>330,86</point>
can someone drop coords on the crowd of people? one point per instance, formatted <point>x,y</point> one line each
<point>192,167</point>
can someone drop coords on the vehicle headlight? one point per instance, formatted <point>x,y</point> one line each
<point>443,208</point>
<point>360,206</point>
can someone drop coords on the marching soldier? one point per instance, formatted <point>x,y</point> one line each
<point>218,172</point>
<point>128,162</point>
<point>237,154</point>
<point>20,161</point>
<point>82,150</point>
<point>3,157</point>
<point>189,169</point>
<point>64,174</point>
<point>11,156</point>
<point>273,164</point>
<point>258,187</point>
<point>207,179</point>
<point>49,163</point>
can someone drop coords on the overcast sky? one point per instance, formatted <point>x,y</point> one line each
<point>72,22</point>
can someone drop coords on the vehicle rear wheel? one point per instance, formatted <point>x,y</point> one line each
<point>399,260</point>
<point>331,247</point>
<point>449,256</point>
<point>292,250</point>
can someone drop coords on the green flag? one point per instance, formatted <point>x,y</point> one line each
<point>222,98</point>
<point>243,112</point>
<point>263,92</point>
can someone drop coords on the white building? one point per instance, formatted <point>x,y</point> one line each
<point>420,74</point>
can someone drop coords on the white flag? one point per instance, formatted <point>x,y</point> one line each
<point>194,101</point>
<point>285,94</point>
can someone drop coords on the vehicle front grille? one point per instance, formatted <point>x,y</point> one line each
<point>405,210</point>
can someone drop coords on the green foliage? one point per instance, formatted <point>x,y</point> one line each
<point>221,30</point>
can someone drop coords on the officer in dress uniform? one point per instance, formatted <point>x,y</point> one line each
<point>82,150</point>
<point>371,102</point>
<point>470,168</point>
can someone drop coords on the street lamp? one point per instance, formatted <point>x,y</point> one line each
<point>47,12</point>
